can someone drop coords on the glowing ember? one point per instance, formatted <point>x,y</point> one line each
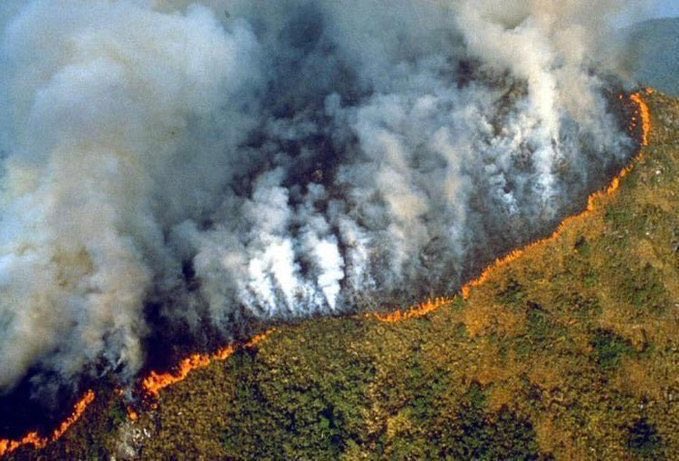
<point>132,415</point>
<point>155,382</point>
<point>645,114</point>
<point>32,438</point>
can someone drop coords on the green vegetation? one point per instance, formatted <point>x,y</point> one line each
<point>568,352</point>
<point>609,349</point>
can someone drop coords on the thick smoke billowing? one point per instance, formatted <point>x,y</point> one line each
<point>277,158</point>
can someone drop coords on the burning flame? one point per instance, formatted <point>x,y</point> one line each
<point>155,382</point>
<point>32,438</point>
<point>645,114</point>
<point>420,310</point>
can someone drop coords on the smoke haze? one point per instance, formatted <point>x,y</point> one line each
<point>277,159</point>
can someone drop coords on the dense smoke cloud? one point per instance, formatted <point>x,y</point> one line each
<point>277,159</point>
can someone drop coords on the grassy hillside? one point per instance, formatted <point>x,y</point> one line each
<point>569,351</point>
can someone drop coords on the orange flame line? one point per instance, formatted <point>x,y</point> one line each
<point>645,114</point>
<point>417,311</point>
<point>155,382</point>
<point>32,438</point>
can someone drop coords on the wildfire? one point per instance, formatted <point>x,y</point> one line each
<point>431,305</point>
<point>152,385</point>
<point>33,438</point>
<point>645,114</point>
<point>155,382</point>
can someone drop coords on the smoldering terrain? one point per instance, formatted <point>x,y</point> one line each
<point>182,166</point>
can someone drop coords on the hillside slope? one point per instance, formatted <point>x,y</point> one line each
<point>566,350</point>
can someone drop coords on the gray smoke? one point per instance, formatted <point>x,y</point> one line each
<point>277,159</point>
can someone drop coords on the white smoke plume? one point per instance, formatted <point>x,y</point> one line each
<point>277,159</point>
